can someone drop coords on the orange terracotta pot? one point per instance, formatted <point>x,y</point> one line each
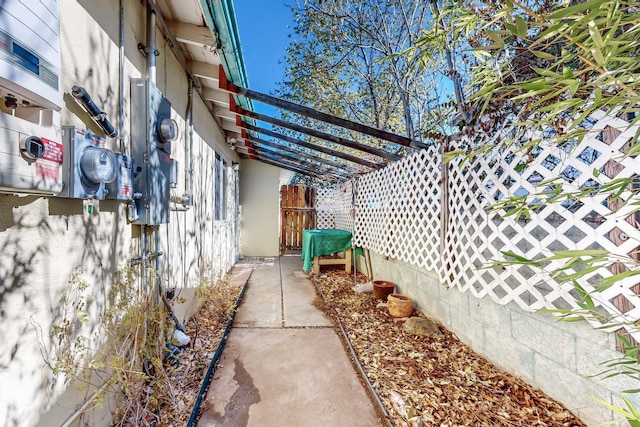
<point>399,305</point>
<point>382,289</point>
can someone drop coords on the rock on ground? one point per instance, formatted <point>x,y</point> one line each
<point>422,327</point>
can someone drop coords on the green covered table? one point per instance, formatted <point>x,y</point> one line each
<point>317,243</point>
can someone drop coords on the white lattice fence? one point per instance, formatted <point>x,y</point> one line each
<point>344,207</point>
<point>475,237</point>
<point>398,210</point>
<point>325,207</point>
<point>398,215</point>
<point>334,206</point>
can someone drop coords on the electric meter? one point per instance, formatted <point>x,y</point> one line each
<point>31,156</point>
<point>89,167</point>
<point>32,148</point>
<point>98,165</point>
<point>167,129</point>
<point>152,131</point>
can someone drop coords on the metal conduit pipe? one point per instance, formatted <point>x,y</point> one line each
<point>123,147</point>
<point>154,236</point>
<point>188,146</point>
<point>173,45</point>
<point>182,200</point>
<point>98,116</point>
<point>157,265</point>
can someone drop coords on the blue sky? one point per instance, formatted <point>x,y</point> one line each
<point>264,26</point>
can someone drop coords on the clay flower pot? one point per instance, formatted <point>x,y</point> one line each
<point>382,289</point>
<point>399,305</point>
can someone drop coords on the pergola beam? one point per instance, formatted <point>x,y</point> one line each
<point>291,158</point>
<point>296,151</point>
<point>287,166</point>
<point>325,150</point>
<point>224,84</point>
<point>315,133</point>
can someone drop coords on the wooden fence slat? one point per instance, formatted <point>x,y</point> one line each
<point>297,213</point>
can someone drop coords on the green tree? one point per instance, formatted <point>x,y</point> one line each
<point>343,60</point>
<point>541,60</point>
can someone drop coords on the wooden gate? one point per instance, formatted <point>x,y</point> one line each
<point>297,213</point>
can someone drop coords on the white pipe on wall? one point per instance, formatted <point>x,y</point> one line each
<point>151,43</point>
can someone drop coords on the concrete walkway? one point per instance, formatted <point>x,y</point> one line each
<point>284,364</point>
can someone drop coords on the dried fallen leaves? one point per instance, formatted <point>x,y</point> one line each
<point>432,382</point>
<point>206,330</point>
<point>172,394</point>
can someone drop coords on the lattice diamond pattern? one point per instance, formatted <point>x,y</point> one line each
<point>325,207</point>
<point>592,223</point>
<point>398,214</point>
<point>334,206</point>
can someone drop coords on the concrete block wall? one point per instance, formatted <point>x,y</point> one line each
<point>559,358</point>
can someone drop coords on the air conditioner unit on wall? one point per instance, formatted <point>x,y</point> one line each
<point>30,53</point>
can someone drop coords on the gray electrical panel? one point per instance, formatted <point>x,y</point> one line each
<point>152,131</point>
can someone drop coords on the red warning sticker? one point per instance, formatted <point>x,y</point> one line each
<point>53,151</point>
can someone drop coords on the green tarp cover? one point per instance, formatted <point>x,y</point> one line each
<point>317,242</point>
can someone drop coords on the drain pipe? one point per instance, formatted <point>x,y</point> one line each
<point>195,413</point>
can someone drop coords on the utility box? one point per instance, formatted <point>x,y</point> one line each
<point>88,166</point>
<point>31,155</point>
<point>31,150</point>
<point>152,131</point>
<point>121,188</point>
<point>30,53</point>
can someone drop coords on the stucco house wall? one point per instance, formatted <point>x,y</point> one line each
<point>259,191</point>
<point>45,240</point>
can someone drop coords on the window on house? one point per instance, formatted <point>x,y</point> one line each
<point>221,189</point>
